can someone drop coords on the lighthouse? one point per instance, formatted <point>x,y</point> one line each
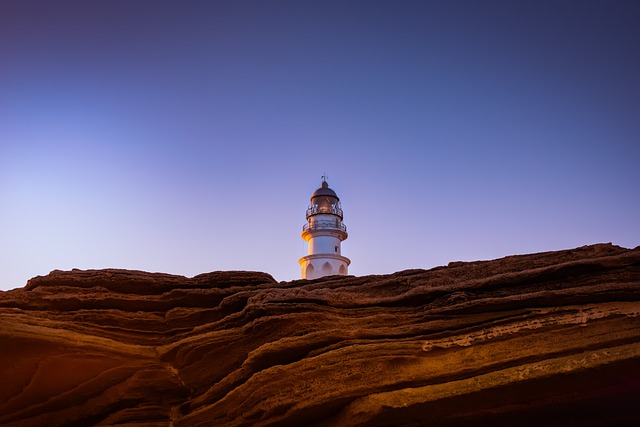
<point>324,231</point>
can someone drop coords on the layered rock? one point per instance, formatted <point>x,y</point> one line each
<point>542,339</point>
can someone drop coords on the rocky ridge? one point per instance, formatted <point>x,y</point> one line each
<point>541,339</point>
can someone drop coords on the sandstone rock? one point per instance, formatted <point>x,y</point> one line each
<point>542,339</point>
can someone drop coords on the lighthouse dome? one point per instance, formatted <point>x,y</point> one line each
<point>324,190</point>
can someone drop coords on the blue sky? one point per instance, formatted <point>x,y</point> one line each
<point>187,137</point>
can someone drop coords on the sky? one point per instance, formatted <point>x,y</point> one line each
<point>187,136</point>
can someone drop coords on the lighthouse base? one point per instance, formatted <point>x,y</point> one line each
<point>321,265</point>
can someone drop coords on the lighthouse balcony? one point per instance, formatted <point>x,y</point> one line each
<point>325,225</point>
<point>320,209</point>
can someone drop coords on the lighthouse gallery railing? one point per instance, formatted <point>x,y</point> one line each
<point>318,225</point>
<point>317,209</point>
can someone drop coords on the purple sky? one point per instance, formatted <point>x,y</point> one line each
<point>187,137</point>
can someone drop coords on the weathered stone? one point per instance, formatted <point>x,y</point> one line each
<point>542,339</point>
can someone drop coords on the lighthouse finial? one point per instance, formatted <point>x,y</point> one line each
<point>325,177</point>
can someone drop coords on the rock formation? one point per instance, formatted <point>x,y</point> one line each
<point>542,339</point>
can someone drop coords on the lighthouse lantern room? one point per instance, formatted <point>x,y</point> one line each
<point>324,231</point>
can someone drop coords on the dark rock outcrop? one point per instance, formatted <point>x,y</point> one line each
<point>543,339</point>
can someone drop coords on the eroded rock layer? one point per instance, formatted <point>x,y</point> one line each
<point>542,339</point>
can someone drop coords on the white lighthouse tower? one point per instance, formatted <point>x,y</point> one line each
<point>324,231</point>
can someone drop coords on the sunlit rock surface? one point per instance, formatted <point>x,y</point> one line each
<point>542,339</point>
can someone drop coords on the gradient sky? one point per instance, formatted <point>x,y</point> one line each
<point>187,136</point>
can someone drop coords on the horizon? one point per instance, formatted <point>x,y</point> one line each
<point>186,138</point>
<point>456,262</point>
